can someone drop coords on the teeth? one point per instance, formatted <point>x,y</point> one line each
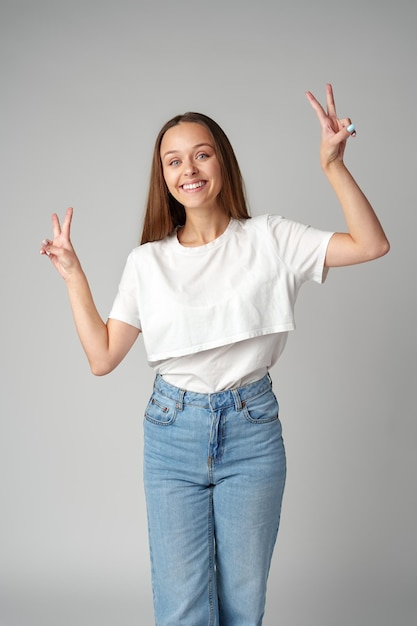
<point>194,185</point>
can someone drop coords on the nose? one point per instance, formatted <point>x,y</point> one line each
<point>190,167</point>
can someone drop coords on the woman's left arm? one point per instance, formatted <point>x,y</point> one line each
<point>365,239</point>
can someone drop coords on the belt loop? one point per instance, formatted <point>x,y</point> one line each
<point>269,378</point>
<point>180,400</point>
<point>238,401</point>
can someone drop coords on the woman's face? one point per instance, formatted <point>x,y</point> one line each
<point>190,166</point>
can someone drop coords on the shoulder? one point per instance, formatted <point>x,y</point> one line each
<point>263,224</point>
<point>152,248</point>
<point>259,221</point>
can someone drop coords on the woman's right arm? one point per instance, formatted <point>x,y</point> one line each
<point>104,344</point>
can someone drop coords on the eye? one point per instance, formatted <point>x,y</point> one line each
<point>202,156</point>
<point>174,162</point>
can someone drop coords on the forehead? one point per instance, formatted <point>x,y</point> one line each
<point>185,135</point>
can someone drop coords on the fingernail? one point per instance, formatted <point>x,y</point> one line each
<point>351,128</point>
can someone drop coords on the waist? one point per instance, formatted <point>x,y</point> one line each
<point>226,367</point>
<point>236,397</point>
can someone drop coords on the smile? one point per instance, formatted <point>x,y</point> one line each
<point>191,186</point>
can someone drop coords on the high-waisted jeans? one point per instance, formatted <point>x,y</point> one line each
<point>214,472</point>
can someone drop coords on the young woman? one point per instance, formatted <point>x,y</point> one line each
<point>213,292</point>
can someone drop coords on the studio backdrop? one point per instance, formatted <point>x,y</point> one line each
<point>85,87</point>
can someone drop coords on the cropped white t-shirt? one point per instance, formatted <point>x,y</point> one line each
<point>217,316</point>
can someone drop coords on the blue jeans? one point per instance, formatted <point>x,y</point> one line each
<point>214,473</point>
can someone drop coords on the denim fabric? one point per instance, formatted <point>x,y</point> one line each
<point>214,473</point>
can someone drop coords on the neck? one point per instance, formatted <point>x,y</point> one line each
<point>202,227</point>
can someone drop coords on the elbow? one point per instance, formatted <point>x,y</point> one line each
<point>386,247</point>
<point>374,251</point>
<point>99,371</point>
<point>382,249</point>
<point>100,368</point>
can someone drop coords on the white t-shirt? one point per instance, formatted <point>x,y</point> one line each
<point>217,316</point>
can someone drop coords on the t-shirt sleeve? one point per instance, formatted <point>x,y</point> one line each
<point>302,248</point>
<point>126,304</point>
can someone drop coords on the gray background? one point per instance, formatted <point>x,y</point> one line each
<point>85,87</point>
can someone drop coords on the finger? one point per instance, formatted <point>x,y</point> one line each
<point>66,226</point>
<point>321,113</point>
<point>328,124</point>
<point>56,226</point>
<point>345,121</point>
<point>45,243</point>
<point>352,130</point>
<point>348,127</point>
<point>341,136</point>
<point>331,107</point>
<point>52,250</point>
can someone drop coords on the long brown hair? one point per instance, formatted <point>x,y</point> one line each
<point>163,212</point>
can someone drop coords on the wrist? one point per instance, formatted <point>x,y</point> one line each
<point>333,167</point>
<point>74,273</point>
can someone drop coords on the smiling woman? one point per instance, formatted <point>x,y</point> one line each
<point>193,175</point>
<point>178,139</point>
<point>213,293</point>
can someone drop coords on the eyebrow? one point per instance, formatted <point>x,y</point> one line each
<point>198,145</point>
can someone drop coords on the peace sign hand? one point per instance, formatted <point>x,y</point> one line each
<point>335,131</point>
<point>60,250</point>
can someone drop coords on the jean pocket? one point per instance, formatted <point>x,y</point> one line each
<point>160,412</point>
<point>262,409</point>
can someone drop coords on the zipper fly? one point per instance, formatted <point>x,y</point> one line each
<point>215,447</point>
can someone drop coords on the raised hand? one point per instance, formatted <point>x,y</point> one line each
<point>335,131</point>
<point>60,251</point>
